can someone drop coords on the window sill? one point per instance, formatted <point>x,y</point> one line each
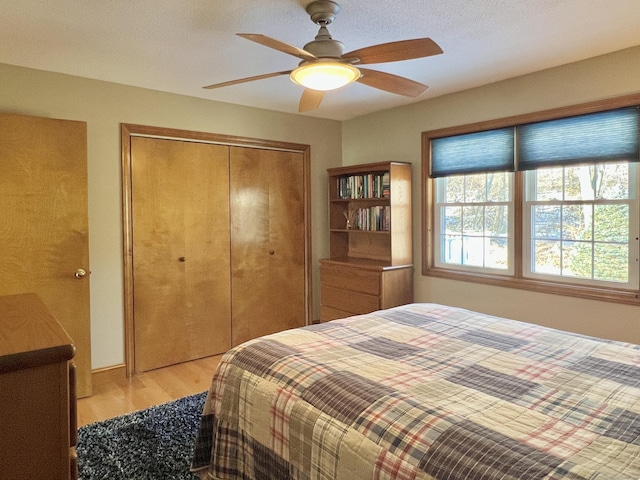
<point>629,297</point>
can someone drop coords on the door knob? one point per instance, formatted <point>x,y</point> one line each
<point>80,273</point>
<point>182,259</point>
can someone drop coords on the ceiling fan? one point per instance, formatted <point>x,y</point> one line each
<point>325,67</point>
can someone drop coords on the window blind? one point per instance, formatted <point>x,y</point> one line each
<point>478,152</point>
<point>610,135</point>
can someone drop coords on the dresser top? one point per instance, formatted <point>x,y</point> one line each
<point>29,335</point>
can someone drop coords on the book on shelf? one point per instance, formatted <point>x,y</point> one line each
<point>372,219</point>
<point>369,185</point>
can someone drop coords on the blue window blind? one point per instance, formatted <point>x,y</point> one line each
<point>478,152</point>
<point>611,135</point>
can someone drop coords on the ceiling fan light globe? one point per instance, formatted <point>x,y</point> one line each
<point>325,76</point>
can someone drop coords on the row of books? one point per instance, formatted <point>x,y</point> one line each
<point>370,185</point>
<point>372,219</point>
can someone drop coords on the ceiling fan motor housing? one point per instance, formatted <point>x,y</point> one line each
<point>324,46</point>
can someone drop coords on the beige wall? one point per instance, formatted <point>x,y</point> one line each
<point>395,135</point>
<point>389,135</point>
<point>104,106</point>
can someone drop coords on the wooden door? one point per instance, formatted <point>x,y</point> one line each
<point>267,200</point>
<point>180,200</point>
<point>44,228</point>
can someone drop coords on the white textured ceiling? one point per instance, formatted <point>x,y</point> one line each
<point>181,45</point>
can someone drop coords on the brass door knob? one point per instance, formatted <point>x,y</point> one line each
<point>80,273</point>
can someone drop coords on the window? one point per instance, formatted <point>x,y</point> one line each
<point>474,214</point>
<point>549,203</point>
<point>579,220</point>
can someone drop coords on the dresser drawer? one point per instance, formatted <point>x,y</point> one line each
<point>329,313</point>
<point>350,278</point>
<point>348,301</point>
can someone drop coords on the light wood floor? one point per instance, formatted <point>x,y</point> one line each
<point>146,389</point>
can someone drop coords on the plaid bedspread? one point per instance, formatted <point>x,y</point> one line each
<point>423,391</point>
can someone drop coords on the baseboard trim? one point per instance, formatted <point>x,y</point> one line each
<point>100,376</point>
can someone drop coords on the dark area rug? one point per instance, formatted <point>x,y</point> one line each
<point>152,444</point>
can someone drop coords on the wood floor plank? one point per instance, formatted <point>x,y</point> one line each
<point>141,391</point>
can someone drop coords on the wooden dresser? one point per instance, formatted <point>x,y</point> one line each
<point>360,287</point>
<point>37,393</point>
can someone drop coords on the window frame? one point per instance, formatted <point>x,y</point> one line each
<point>517,279</point>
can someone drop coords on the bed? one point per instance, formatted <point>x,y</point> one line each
<point>423,391</point>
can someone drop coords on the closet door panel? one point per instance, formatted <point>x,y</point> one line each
<point>267,242</point>
<point>181,257</point>
<point>287,239</point>
<point>249,203</point>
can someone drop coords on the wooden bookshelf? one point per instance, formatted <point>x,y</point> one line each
<point>370,240</point>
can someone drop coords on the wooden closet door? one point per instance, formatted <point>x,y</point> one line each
<point>181,266</point>
<point>267,242</point>
<point>44,237</point>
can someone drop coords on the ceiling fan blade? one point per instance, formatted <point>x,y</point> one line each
<point>391,83</point>
<point>396,51</point>
<point>247,79</point>
<point>310,100</point>
<point>277,45</point>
